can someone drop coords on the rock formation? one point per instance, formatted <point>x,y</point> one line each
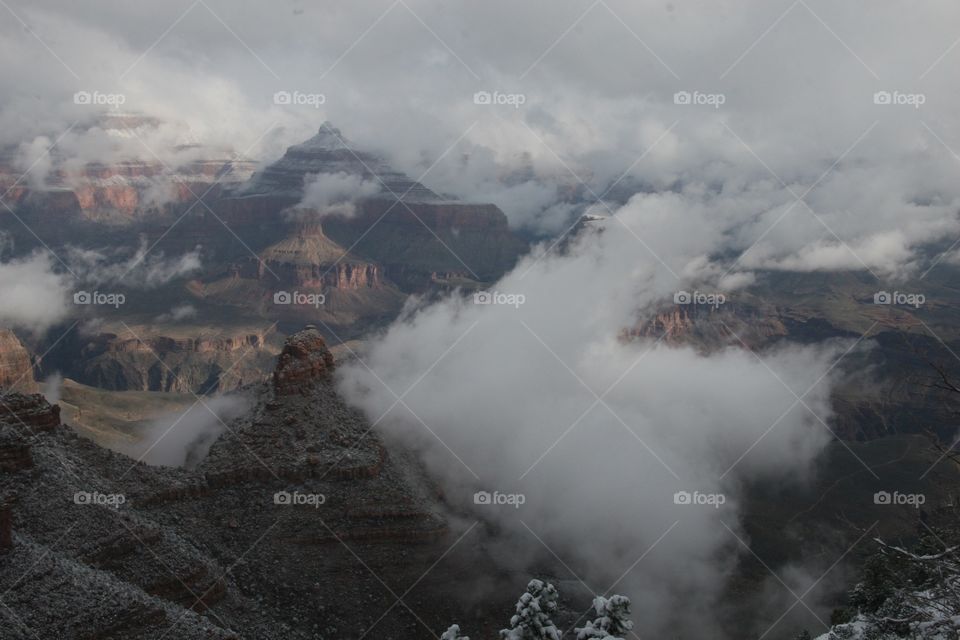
<point>16,367</point>
<point>709,328</point>
<point>305,360</point>
<point>406,227</point>
<point>330,152</point>
<point>155,357</point>
<point>261,540</point>
<point>309,259</point>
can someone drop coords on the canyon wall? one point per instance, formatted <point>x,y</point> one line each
<point>16,365</point>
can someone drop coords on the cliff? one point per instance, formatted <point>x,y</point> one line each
<point>710,328</point>
<point>176,358</point>
<point>406,227</point>
<point>416,240</point>
<point>16,366</point>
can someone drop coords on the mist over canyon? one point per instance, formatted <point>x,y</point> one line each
<point>579,319</point>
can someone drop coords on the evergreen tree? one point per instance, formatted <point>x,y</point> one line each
<point>612,620</point>
<point>532,620</point>
<point>453,633</point>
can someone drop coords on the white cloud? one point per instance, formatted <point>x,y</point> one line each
<point>506,396</point>
<point>335,193</point>
<point>143,268</point>
<point>178,313</point>
<point>183,438</point>
<point>33,296</point>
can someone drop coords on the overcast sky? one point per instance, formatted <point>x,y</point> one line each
<point>796,79</point>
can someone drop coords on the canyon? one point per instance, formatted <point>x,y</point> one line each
<point>262,251</point>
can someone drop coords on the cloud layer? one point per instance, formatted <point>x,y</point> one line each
<point>598,120</point>
<point>716,139</point>
<point>34,296</point>
<point>544,398</point>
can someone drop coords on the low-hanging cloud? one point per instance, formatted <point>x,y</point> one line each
<point>178,313</point>
<point>142,268</point>
<point>53,387</point>
<point>183,438</point>
<point>326,194</point>
<point>544,398</point>
<point>34,294</point>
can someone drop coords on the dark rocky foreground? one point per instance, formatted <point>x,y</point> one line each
<point>298,524</point>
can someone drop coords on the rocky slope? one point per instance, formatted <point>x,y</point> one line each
<point>330,152</point>
<point>416,234</point>
<point>292,527</point>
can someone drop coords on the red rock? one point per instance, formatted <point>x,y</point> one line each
<point>16,369</point>
<point>305,360</point>
<point>29,413</point>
